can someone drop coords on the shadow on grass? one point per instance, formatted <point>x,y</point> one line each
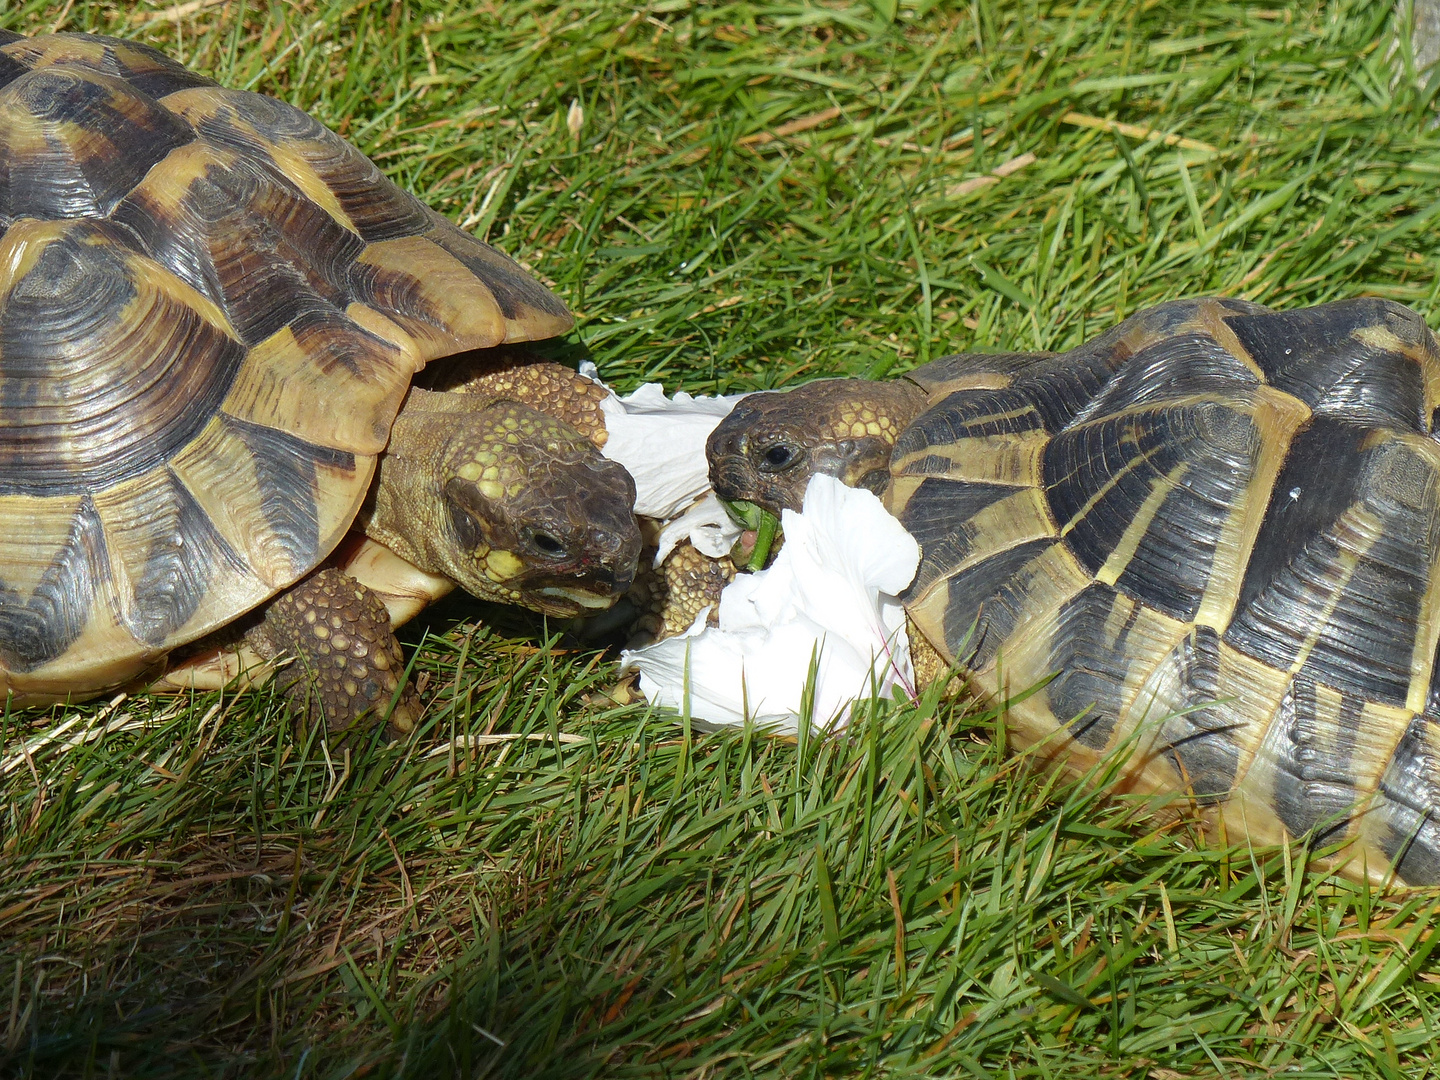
<point>599,893</point>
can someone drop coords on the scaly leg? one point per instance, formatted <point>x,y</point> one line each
<point>670,596</point>
<point>345,665</point>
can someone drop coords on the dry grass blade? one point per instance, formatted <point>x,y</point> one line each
<point>1135,131</point>
<point>791,127</point>
<point>176,12</point>
<point>997,174</point>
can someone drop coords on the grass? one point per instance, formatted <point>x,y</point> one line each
<point>544,884</point>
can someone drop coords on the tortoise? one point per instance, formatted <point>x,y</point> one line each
<point>211,311</point>
<point>1217,526</point>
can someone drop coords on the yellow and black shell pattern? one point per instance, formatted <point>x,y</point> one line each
<point>1220,525</point>
<point>211,307</point>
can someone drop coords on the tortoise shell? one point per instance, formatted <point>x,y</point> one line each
<point>1220,525</point>
<point>211,307</point>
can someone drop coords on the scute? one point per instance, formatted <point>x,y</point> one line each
<point>294,146</point>
<point>66,570</point>
<point>211,308</point>
<point>251,242</point>
<point>107,365</point>
<point>287,475</point>
<point>166,553</point>
<point>1317,745</point>
<point>1144,497</point>
<point>1357,360</point>
<point>987,601</point>
<point>1175,367</point>
<point>1196,734</point>
<point>74,142</point>
<point>1403,824</point>
<point>1343,561</point>
<point>128,60</point>
<point>147,70</point>
<point>954,521</point>
<point>10,68</point>
<point>1091,657</point>
<point>515,291</point>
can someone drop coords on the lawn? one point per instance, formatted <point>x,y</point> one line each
<point>546,884</point>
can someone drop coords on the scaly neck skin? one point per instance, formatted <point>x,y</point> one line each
<point>506,501</point>
<point>406,502</point>
<point>401,510</point>
<point>885,410</point>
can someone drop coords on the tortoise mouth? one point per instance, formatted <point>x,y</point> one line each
<point>567,596</point>
<point>761,531</point>
<point>569,603</point>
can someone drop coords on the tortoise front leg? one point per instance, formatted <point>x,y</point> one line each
<point>670,597</point>
<point>345,663</point>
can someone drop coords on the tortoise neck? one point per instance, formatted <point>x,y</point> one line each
<point>402,511</point>
<point>866,427</point>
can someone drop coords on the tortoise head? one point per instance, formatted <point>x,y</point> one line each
<point>533,514</point>
<point>771,444</point>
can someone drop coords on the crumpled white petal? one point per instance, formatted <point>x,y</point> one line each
<point>706,525</point>
<point>662,442</point>
<point>828,603</point>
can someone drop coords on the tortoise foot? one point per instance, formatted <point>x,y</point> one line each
<point>345,664</point>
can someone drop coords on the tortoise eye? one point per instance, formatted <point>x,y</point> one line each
<point>547,544</point>
<point>779,456</point>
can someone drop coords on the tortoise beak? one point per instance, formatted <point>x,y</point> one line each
<point>730,473</point>
<point>731,477</point>
<point>613,576</point>
<point>614,559</point>
<point>568,603</point>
